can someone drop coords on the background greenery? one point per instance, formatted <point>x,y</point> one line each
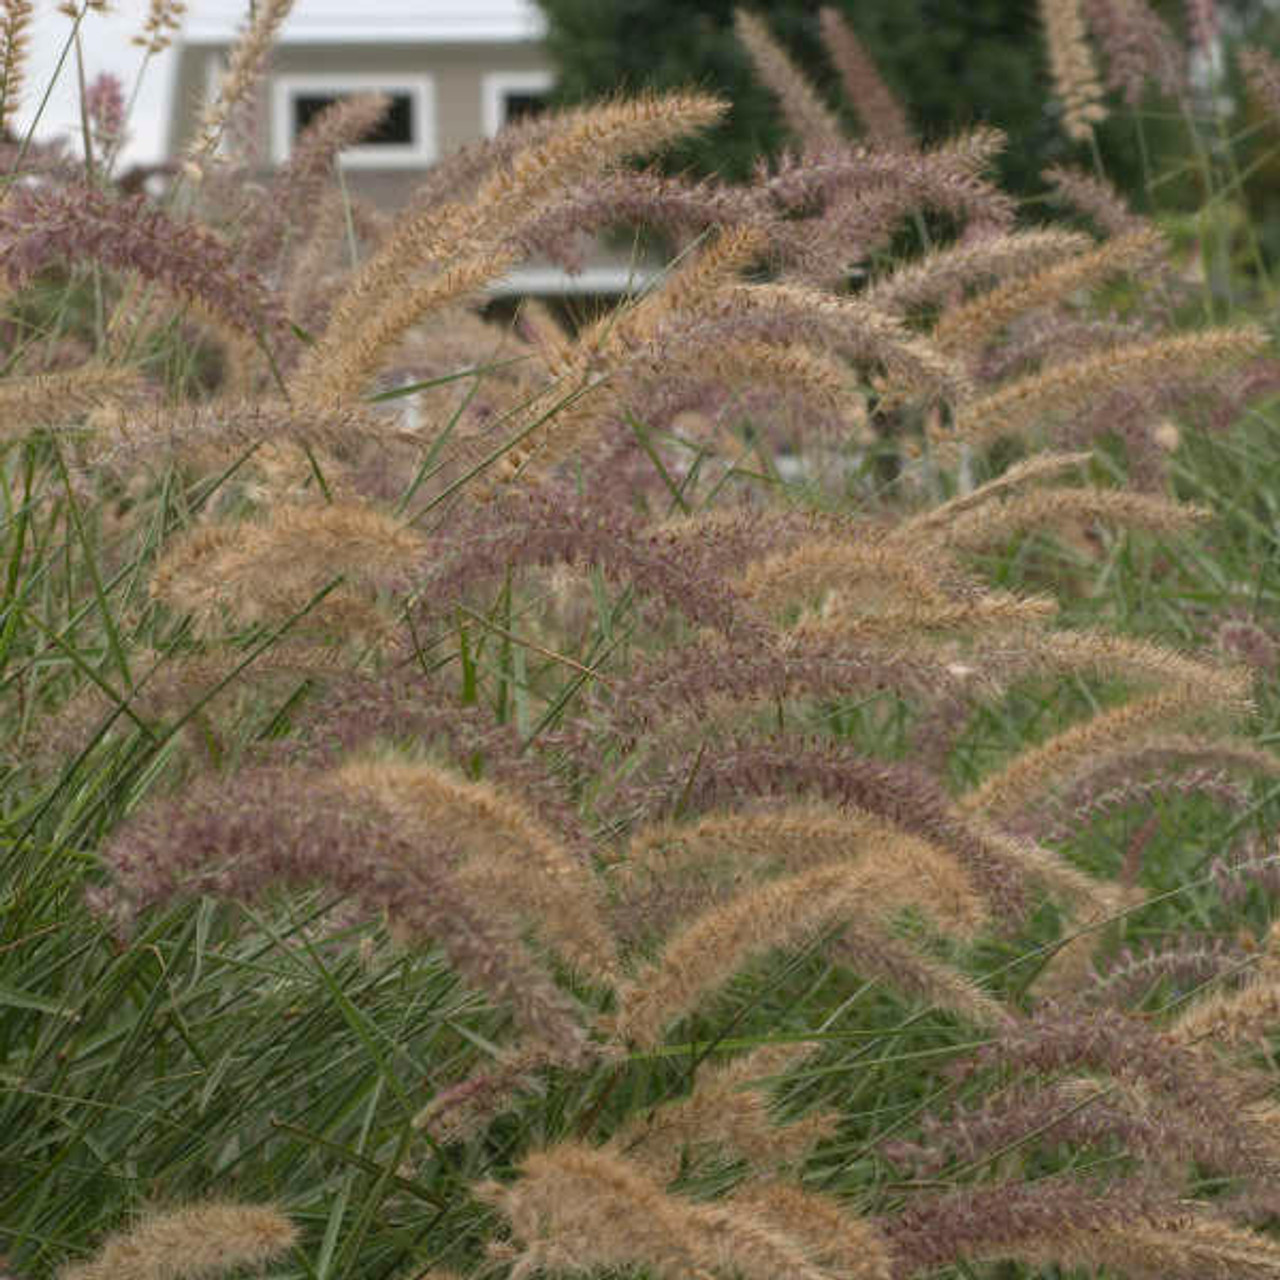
<point>954,63</point>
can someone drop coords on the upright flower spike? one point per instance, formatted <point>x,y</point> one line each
<point>810,120</point>
<point>163,21</point>
<point>15,34</point>
<point>882,115</point>
<point>1075,77</point>
<point>244,68</point>
<point>1138,46</point>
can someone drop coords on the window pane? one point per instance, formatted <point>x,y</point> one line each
<point>395,129</point>
<point>517,105</point>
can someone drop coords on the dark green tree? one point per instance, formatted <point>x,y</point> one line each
<point>953,63</point>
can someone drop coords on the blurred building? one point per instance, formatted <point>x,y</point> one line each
<point>455,70</point>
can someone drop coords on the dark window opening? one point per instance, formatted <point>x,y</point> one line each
<point>518,105</point>
<point>395,129</point>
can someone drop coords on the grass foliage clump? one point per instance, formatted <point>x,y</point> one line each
<point>770,778</point>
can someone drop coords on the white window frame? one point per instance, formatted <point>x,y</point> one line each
<point>497,84</point>
<point>422,102</point>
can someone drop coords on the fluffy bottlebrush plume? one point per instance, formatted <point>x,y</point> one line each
<point>725,538</point>
<point>844,613</point>
<point>356,710</point>
<point>221,429</point>
<point>1141,662</point>
<point>165,685</point>
<point>1096,198</point>
<point>872,952</point>
<point>1262,75</point>
<point>673,869</point>
<point>944,272</point>
<point>680,207</point>
<point>837,1240</point>
<point>1233,1019</point>
<point>1084,1111</point>
<point>203,1240</point>
<point>873,191</point>
<point>239,81</point>
<point>1127,1227</point>
<point>469,243</point>
<point>854,329</point>
<point>1078,891</point>
<point>813,123</point>
<point>555,527</point>
<point>105,106</point>
<point>730,678</point>
<point>698,285</point>
<point>1138,365</point>
<point>1064,818</point>
<point>15,27</point>
<point>50,399</point>
<point>1203,1087</point>
<point>313,276</point>
<point>903,795</point>
<point>339,376</point>
<point>966,328</point>
<point>882,115</point>
<point>632,347</point>
<point>729,1114</point>
<point>1075,76</point>
<point>1132,976</point>
<point>1054,337</point>
<point>461,1110</point>
<point>298,185</point>
<point>269,829</point>
<point>706,953</point>
<point>855,225</point>
<point>1249,643</point>
<point>508,857</point>
<point>1035,768</point>
<point>609,384</point>
<point>1141,415</point>
<point>271,570</point>
<point>1040,466</point>
<point>1079,1112</point>
<point>580,1208</point>
<point>825,382</point>
<point>877,572</point>
<point>1159,761</point>
<point>53,226</point>
<point>951,172</point>
<point>1138,47</point>
<point>1234,875</point>
<point>992,524</point>
<point>164,19</point>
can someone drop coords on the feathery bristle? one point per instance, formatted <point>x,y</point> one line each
<point>1075,77</point>
<point>204,1240</point>
<point>809,119</point>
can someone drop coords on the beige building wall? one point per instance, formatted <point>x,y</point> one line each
<point>456,75</point>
